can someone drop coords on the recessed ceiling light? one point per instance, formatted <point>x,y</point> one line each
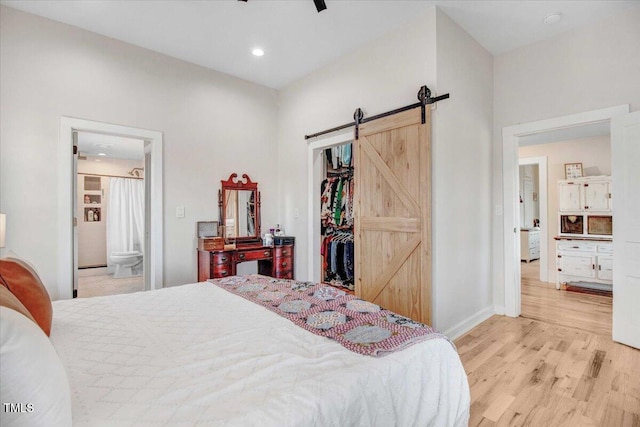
<point>257,52</point>
<point>102,154</point>
<point>552,18</point>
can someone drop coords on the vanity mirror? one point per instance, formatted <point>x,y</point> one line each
<point>239,202</point>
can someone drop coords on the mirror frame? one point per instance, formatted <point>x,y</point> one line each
<point>234,183</point>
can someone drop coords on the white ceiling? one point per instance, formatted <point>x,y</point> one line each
<point>296,39</point>
<point>90,144</point>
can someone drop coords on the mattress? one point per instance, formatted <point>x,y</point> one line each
<point>198,355</point>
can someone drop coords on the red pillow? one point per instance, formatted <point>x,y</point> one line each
<point>24,283</point>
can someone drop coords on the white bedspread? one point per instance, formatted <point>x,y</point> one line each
<point>198,355</point>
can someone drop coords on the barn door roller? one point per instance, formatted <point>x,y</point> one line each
<point>424,96</point>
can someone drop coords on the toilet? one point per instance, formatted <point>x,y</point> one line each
<point>127,264</point>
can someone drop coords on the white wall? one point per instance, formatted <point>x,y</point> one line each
<point>387,74</point>
<point>462,179</point>
<point>210,122</point>
<point>595,155</point>
<point>593,67</point>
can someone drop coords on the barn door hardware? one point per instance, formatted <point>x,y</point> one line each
<point>424,96</point>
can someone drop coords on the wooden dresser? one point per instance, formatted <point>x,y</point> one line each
<point>274,261</point>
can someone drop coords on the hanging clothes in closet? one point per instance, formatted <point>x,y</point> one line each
<point>338,254</point>
<point>337,218</point>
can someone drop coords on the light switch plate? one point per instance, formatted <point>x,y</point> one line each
<point>180,212</point>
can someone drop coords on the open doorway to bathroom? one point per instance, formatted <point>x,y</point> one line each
<point>110,214</point>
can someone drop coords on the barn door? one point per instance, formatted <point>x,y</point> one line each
<point>393,214</point>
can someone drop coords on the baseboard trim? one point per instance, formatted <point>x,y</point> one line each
<point>499,309</point>
<point>470,323</point>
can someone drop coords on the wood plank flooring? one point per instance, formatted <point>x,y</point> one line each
<point>525,372</point>
<point>542,301</point>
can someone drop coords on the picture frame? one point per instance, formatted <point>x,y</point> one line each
<point>572,170</point>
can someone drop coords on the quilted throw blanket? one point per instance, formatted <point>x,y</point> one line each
<point>358,325</point>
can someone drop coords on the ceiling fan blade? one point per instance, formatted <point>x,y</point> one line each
<point>320,6</point>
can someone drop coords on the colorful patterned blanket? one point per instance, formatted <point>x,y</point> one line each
<point>358,325</point>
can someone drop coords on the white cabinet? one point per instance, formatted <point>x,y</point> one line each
<point>584,261</point>
<point>605,267</point>
<point>529,245</point>
<point>569,196</point>
<point>597,196</point>
<point>577,265</point>
<point>589,194</point>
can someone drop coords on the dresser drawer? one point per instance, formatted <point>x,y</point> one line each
<point>577,247</point>
<point>221,270</point>
<point>284,251</point>
<point>605,249</point>
<point>221,258</point>
<point>283,263</point>
<point>255,254</point>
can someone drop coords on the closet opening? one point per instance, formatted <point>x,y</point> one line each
<point>317,174</point>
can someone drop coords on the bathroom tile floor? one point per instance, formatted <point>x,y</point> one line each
<point>94,286</point>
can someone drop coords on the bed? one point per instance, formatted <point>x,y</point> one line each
<point>198,354</point>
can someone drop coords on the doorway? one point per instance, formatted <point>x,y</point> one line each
<point>152,236</point>
<point>110,215</point>
<point>511,140</point>
<point>315,162</point>
<point>563,300</point>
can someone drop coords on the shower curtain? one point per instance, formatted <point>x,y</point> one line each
<point>125,217</point>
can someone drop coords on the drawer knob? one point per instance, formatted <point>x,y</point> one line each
<point>285,253</point>
<point>241,256</point>
<point>224,272</point>
<point>223,259</point>
<point>267,253</point>
<point>284,264</point>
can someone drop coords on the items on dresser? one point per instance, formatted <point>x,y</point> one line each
<point>585,262</point>
<point>529,244</point>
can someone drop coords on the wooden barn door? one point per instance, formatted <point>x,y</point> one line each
<point>393,214</point>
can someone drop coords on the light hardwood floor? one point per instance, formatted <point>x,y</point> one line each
<point>542,301</point>
<point>525,372</point>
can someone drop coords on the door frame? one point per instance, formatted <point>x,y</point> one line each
<point>315,170</point>
<point>541,162</point>
<point>153,145</point>
<point>510,187</point>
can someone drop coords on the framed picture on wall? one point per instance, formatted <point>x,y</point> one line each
<point>572,170</point>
